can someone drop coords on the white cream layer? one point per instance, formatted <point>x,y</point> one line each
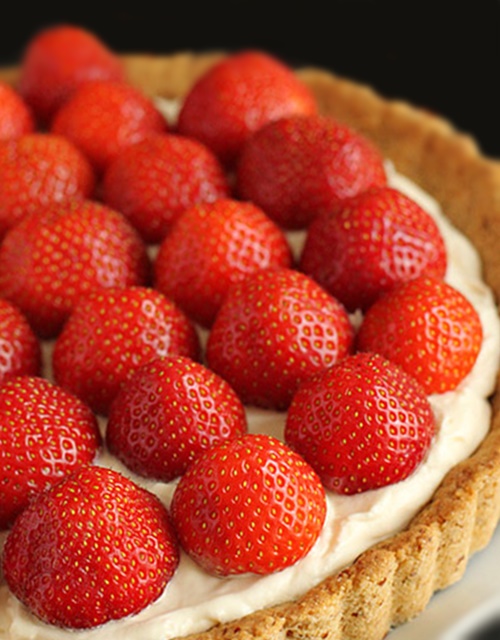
<point>194,601</point>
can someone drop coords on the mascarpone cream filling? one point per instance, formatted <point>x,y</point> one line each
<point>194,601</point>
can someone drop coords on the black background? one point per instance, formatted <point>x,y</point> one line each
<point>443,56</point>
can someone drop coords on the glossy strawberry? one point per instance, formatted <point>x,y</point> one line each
<point>212,246</point>
<point>104,117</point>
<point>301,166</point>
<point>61,252</point>
<point>110,334</point>
<point>37,169</point>
<point>95,548</point>
<point>274,330</point>
<point>237,96</point>
<point>167,413</point>
<point>427,327</point>
<point>20,350</point>
<point>46,434</point>
<point>248,505</point>
<point>57,60</point>
<point>361,424</point>
<point>154,181</point>
<point>16,118</point>
<point>382,236</point>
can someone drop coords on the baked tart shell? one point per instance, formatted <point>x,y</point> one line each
<point>393,581</point>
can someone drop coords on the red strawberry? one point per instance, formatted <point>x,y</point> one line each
<point>104,117</point>
<point>362,424</point>
<point>237,96</point>
<point>16,118</point>
<point>153,181</point>
<point>428,328</point>
<point>46,433</point>
<point>382,236</point>
<point>248,505</point>
<point>274,330</point>
<point>52,257</point>
<point>110,334</point>
<point>212,246</point>
<point>57,60</point>
<point>20,351</point>
<point>95,548</point>
<point>37,169</point>
<point>167,413</point>
<point>299,167</point>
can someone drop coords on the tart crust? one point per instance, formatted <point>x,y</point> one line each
<point>393,581</point>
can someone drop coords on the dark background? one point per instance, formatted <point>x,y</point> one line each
<point>444,56</point>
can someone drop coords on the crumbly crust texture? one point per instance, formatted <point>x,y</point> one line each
<point>392,582</point>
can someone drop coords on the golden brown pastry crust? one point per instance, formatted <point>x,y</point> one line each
<point>393,581</point>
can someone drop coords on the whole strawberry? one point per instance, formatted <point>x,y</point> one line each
<point>299,167</point>
<point>95,548</point>
<point>16,118</point>
<point>57,60</point>
<point>20,350</point>
<point>46,433</point>
<point>211,246</point>
<point>104,117</point>
<point>274,330</point>
<point>154,181</point>
<point>381,235</point>
<point>110,334</point>
<point>167,413</point>
<point>361,424</point>
<point>428,328</point>
<point>61,252</point>
<point>237,96</point>
<point>248,505</point>
<point>37,169</point>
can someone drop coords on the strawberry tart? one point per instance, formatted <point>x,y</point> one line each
<point>270,409</point>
